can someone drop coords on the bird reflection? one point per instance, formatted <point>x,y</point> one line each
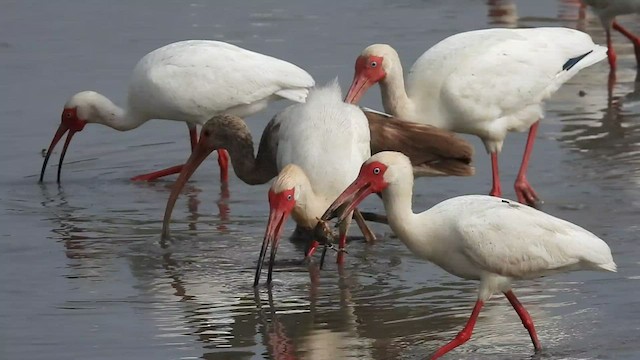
<point>66,223</point>
<point>503,13</point>
<point>199,294</point>
<point>573,10</point>
<point>611,141</point>
<point>192,191</point>
<point>279,344</point>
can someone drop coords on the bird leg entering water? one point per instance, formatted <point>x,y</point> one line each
<point>193,137</point>
<point>524,190</point>
<point>369,236</point>
<point>322,235</point>
<point>223,162</point>
<point>611,54</point>
<point>634,38</point>
<point>525,317</point>
<point>496,190</point>
<point>464,335</point>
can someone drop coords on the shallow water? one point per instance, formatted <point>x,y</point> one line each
<point>84,275</point>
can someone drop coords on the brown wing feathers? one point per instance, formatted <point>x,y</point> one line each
<point>432,151</point>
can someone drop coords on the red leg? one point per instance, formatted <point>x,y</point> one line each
<point>524,191</point>
<point>312,249</point>
<point>193,136</point>
<point>464,335</point>
<point>223,161</point>
<point>525,317</point>
<point>628,34</point>
<point>223,205</point>
<point>633,38</point>
<point>611,54</point>
<point>495,188</point>
<point>158,174</point>
<point>611,83</point>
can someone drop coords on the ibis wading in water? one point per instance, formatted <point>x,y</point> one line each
<point>188,81</point>
<point>607,10</point>
<point>484,82</point>
<point>476,237</point>
<point>316,149</point>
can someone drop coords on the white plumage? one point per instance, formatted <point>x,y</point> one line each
<point>493,81</point>
<point>321,145</point>
<point>195,80</point>
<point>328,139</point>
<point>485,82</point>
<point>189,81</point>
<point>477,237</point>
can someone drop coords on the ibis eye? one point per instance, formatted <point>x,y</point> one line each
<point>68,114</point>
<point>374,64</point>
<point>376,170</point>
<point>289,197</point>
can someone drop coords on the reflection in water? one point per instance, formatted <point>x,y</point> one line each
<point>108,289</point>
<point>610,140</point>
<point>278,343</point>
<point>573,10</point>
<point>198,289</point>
<point>502,13</point>
<point>192,192</point>
<point>80,246</point>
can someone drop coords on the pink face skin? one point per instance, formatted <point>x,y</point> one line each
<point>370,180</point>
<point>281,205</point>
<point>70,122</point>
<point>369,71</point>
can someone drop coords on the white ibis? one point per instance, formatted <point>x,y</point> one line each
<point>607,10</point>
<point>476,237</point>
<point>485,82</point>
<point>188,81</point>
<point>328,140</point>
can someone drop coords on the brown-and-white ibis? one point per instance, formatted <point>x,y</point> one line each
<point>327,140</point>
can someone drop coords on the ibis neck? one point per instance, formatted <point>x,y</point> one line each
<point>394,96</point>
<point>104,111</point>
<point>309,207</point>
<point>252,170</point>
<point>413,229</point>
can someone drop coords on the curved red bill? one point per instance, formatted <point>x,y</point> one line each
<point>358,88</point>
<point>281,204</point>
<point>272,236</point>
<point>351,197</point>
<point>70,123</point>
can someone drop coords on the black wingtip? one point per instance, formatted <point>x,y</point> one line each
<point>573,61</point>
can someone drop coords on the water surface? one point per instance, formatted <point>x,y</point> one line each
<point>84,275</point>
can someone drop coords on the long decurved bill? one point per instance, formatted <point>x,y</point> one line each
<point>62,129</point>
<point>198,155</point>
<point>272,235</point>
<point>358,88</point>
<point>350,198</point>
